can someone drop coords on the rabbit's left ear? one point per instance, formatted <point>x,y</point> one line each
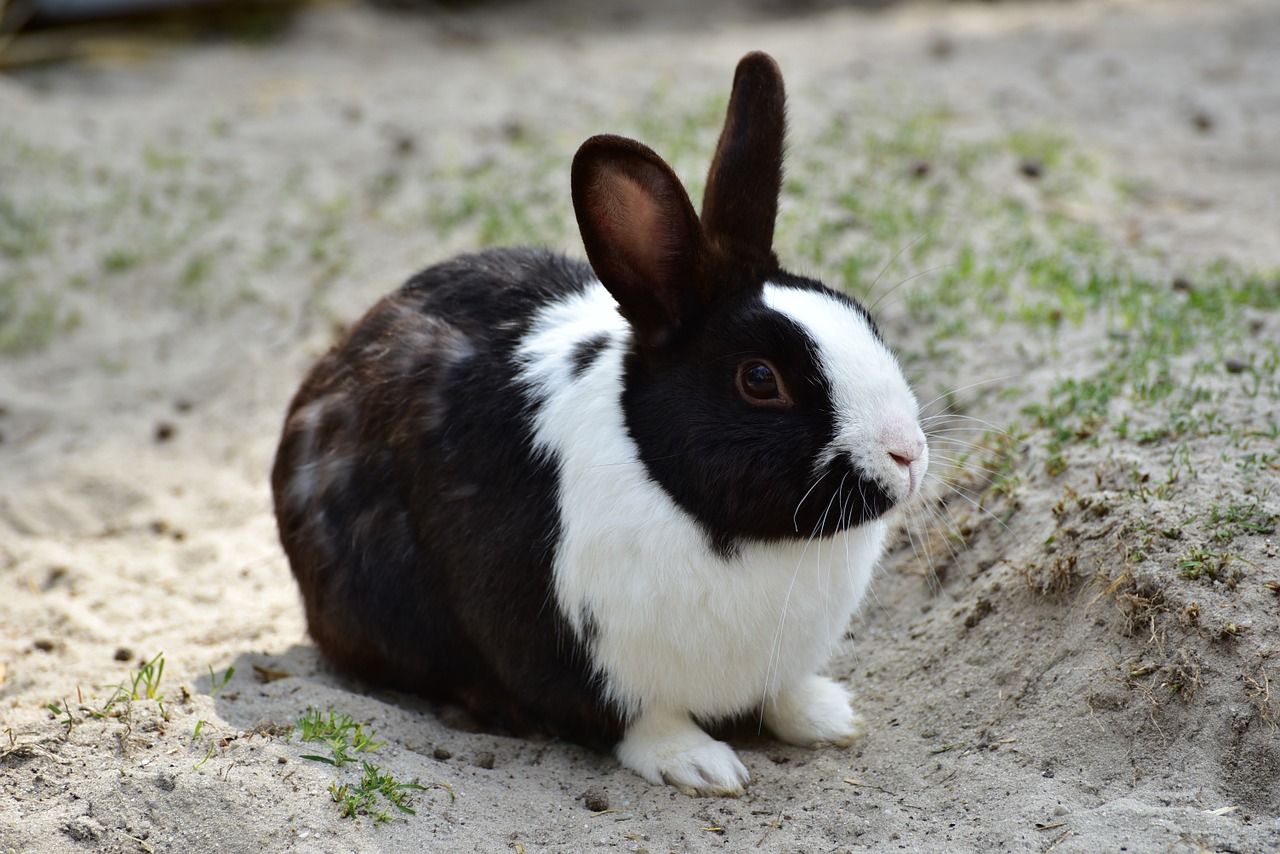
<point>740,205</point>
<point>641,235</point>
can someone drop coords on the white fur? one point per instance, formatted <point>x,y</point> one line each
<point>876,410</point>
<point>681,631</point>
<point>813,712</point>
<point>668,747</point>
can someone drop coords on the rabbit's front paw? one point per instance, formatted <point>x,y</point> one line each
<point>814,712</point>
<point>670,748</point>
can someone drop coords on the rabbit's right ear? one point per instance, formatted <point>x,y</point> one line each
<point>740,205</point>
<point>641,234</point>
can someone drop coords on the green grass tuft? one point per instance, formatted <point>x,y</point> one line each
<point>342,733</point>
<point>376,792</point>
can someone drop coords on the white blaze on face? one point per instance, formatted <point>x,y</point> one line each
<point>876,413</point>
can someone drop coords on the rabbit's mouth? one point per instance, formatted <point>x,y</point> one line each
<point>844,496</point>
<point>866,474</point>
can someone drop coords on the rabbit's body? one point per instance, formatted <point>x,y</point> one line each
<point>605,501</point>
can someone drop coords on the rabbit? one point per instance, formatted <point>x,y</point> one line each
<point>610,502</point>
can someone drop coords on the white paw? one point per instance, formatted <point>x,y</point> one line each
<point>670,748</point>
<point>814,712</point>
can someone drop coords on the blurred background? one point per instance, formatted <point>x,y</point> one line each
<point>41,31</point>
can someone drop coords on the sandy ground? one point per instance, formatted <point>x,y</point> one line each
<point>209,214</point>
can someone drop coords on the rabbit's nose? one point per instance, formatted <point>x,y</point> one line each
<point>902,439</point>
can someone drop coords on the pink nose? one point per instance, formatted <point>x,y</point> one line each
<point>906,450</point>
<point>904,458</point>
<point>902,440</point>
<point>905,453</point>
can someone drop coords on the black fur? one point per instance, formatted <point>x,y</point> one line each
<point>396,558</point>
<point>586,353</point>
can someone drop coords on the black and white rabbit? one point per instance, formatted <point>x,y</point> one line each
<point>609,501</point>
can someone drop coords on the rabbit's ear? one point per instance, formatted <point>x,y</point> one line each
<point>641,235</point>
<point>741,200</point>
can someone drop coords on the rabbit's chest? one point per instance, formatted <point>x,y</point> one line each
<point>670,624</point>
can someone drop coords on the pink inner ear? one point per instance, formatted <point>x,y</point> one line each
<point>633,224</point>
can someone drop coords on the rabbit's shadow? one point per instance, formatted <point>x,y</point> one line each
<point>273,689</point>
<point>268,693</point>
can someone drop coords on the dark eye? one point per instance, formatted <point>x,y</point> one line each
<point>760,384</point>
<point>759,381</point>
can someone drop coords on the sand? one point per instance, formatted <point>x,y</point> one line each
<point>206,214</point>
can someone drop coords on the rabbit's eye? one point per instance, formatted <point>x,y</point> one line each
<point>760,384</point>
<point>759,381</point>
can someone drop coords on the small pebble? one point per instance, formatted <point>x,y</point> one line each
<point>440,754</point>
<point>920,169</point>
<point>1061,810</point>
<point>484,760</point>
<point>164,431</point>
<point>1031,167</point>
<point>403,144</point>
<point>595,799</point>
<point>513,130</point>
<point>43,644</point>
<point>123,653</point>
<point>1235,365</point>
<point>1182,284</point>
<point>941,47</point>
